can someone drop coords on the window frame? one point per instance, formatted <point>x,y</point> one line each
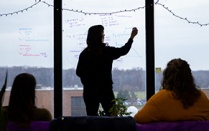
<point>150,61</point>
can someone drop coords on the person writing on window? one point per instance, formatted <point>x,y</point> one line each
<point>178,100</point>
<point>95,69</point>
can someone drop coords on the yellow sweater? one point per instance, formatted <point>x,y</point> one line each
<point>163,107</point>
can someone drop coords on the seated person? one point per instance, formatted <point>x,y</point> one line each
<point>22,109</point>
<point>179,98</point>
<point>2,120</point>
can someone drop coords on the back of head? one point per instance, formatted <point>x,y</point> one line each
<point>178,78</point>
<point>178,75</point>
<point>22,99</point>
<point>94,37</point>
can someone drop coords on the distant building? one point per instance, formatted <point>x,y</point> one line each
<point>73,104</point>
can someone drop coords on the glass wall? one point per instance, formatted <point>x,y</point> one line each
<point>26,45</point>
<point>118,17</point>
<point>181,31</point>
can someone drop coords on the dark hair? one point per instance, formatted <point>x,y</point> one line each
<point>94,40</point>
<point>22,99</point>
<point>178,78</point>
<point>94,37</point>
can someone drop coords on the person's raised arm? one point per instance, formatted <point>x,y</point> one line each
<point>117,52</point>
<point>134,33</point>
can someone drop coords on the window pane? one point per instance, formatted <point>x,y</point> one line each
<point>181,31</point>
<point>118,17</point>
<point>26,45</point>
<point>77,106</point>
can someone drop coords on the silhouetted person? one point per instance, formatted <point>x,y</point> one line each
<point>22,109</point>
<point>95,69</point>
<point>2,118</point>
<point>178,100</point>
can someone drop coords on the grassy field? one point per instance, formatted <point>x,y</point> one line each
<point>139,94</point>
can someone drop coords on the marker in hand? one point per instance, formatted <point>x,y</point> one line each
<point>134,32</point>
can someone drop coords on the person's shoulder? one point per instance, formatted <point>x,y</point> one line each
<point>161,93</point>
<point>202,93</point>
<point>83,51</point>
<point>110,48</point>
<point>4,108</point>
<point>42,110</point>
<point>44,113</point>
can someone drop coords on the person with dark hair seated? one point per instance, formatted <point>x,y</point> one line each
<point>178,100</point>
<point>22,109</point>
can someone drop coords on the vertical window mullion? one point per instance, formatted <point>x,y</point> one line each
<point>150,56</point>
<point>57,58</point>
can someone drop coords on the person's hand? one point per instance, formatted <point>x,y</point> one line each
<point>134,32</point>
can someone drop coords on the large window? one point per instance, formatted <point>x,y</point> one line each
<point>77,106</point>
<point>26,45</point>
<point>118,17</point>
<point>181,31</point>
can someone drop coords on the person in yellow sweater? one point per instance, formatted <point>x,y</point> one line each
<point>179,99</point>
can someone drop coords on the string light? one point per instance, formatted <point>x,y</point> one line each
<point>107,13</point>
<point>26,9</point>
<point>190,22</point>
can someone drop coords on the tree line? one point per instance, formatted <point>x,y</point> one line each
<point>131,79</point>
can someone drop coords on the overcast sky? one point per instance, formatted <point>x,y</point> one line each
<point>26,36</point>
